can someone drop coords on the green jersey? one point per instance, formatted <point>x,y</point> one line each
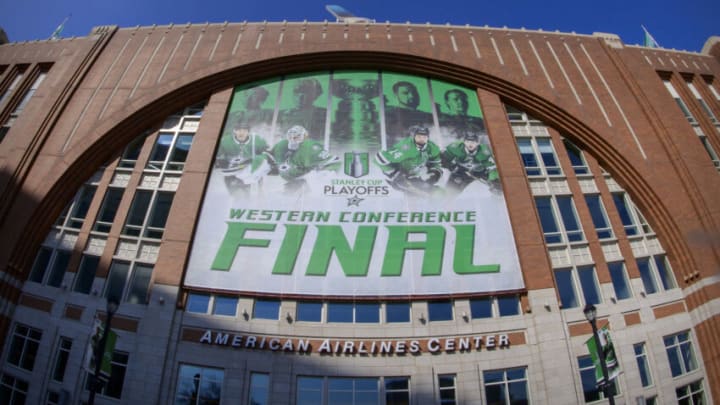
<point>238,154</point>
<point>465,166</point>
<point>292,164</point>
<point>407,159</point>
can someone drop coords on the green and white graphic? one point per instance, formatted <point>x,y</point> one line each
<point>354,183</point>
<point>606,345</point>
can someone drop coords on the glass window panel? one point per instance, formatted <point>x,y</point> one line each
<point>198,303</point>
<point>159,153</point>
<point>86,274</point>
<point>266,309</point>
<point>528,157</point>
<point>160,213</point>
<point>508,305</point>
<point>440,311</point>
<point>182,146</point>
<point>625,215</point>
<point>589,285</point>
<point>132,151</point>
<point>109,208</point>
<point>547,153</point>
<point>59,266</point>
<point>517,391</point>
<point>547,220</point>
<point>140,285</point>
<point>309,311</point>
<point>82,204</point>
<point>666,277</point>
<point>259,388</point>
<point>41,262</point>
<point>619,280</point>
<point>117,278</point>
<point>310,390</point>
<point>495,394</point>
<point>340,312</point>
<point>642,363</point>
<point>567,213</point>
<point>397,312</point>
<point>61,358</point>
<point>566,288</point>
<point>481,308</point>
<point>138,210</point>
<point>576,158</point>
<point>646,275</point>
<point>367,312</point>
<point>597,212</point>
<point>225,306</point>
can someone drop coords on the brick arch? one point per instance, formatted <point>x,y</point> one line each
<point>118,129</point>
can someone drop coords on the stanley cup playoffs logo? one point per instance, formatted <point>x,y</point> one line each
<point>356,164</point>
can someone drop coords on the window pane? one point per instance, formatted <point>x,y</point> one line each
<point>666,276</point>
<point>367,313</point>
<point>225,306</point>
<point>566,289</point>
<point>310,390</point>
<point>41,261</point>
<point>440,310</point>
<point>547,220</point>
<point>115,283</point>
<point>61,357</point>
<point>589,284</point>
<point>481,308</point>
<point>82,204</point>
<point>576,159</point>
<point>138,209</point>
<point>86,274</point>
<point>309,311</point>
<point>182,146</point>
<point>548,156</point>
<point>508,305</point>
<point>259,389</point>
<point>625,216</point>
<point>162,146</point>
<point>340,312</point>
<point>646,275</point>
<point>619,280</point>
<point>397,312</point>
<point>528,157</point>
<point>198,303</point>
<point>109,208</point>
<point>597,212</point>
<point>159,216</point>
<point>567,213</point>
<point>140,284</point>
<point>266,309</point>
<point>59,266</point>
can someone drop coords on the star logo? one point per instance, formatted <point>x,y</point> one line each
<point>354,200</point>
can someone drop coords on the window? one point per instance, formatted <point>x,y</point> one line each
<point>447,390</point>
<point>37,274</point>
<point>551,228</point>
<point>170,151</point>
<point>309,391</point>
<point>506,386</point>
<point>629,222</point>
<point>508,305</point>
<point>225,306</point>
<point>349,391</point>
<point>643,364</point>
<point>24,347</point>
<point>61,358</point>
<point>198,303</point>
<point>108,209</point>
<point>199,385</point>
<point>308,311</point>
<point>589,284</point>
<point>152,219</point>
<point>396,312</point>
<point>86,274</point>
<point>132,152</point>
<point>597,212</point>
<point>139,283</point>
<point>13,85</point>
<point>535,151</point>
<point>587,375</point>
<point>653,269</point>
<point>56,261</point>
<point>113,388</point>
<point>397,390</point>
<point>347,312</point>
<point>691,394</point>
<point>619,280</point>
<point>23,102</point>
<point>680,353</point>
<point>703,104</point>
<point>440,311</point>
<point>680,103</point>
<point>80,206</point>
<point>266,309</point>
<point>259,389</point>
<point>13,390</point>
<point>566,288</point>
<point>576,158</point>
<point>481,308</point>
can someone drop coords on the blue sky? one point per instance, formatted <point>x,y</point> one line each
<point>683,25</point>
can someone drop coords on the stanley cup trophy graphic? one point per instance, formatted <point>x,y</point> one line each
<point>356,116</point>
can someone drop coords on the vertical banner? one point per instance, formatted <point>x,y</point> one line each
<point>606,345</point>
<point>94,341</point>
<point>355,183</point>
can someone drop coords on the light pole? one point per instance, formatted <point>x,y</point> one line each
<point>590,314</point>
<point>111,308</point>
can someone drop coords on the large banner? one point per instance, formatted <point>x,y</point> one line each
<point>357,183</point>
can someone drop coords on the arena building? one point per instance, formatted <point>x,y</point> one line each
<point>358,213</point>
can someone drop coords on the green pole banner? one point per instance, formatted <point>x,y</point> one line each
<point>613,368</point>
